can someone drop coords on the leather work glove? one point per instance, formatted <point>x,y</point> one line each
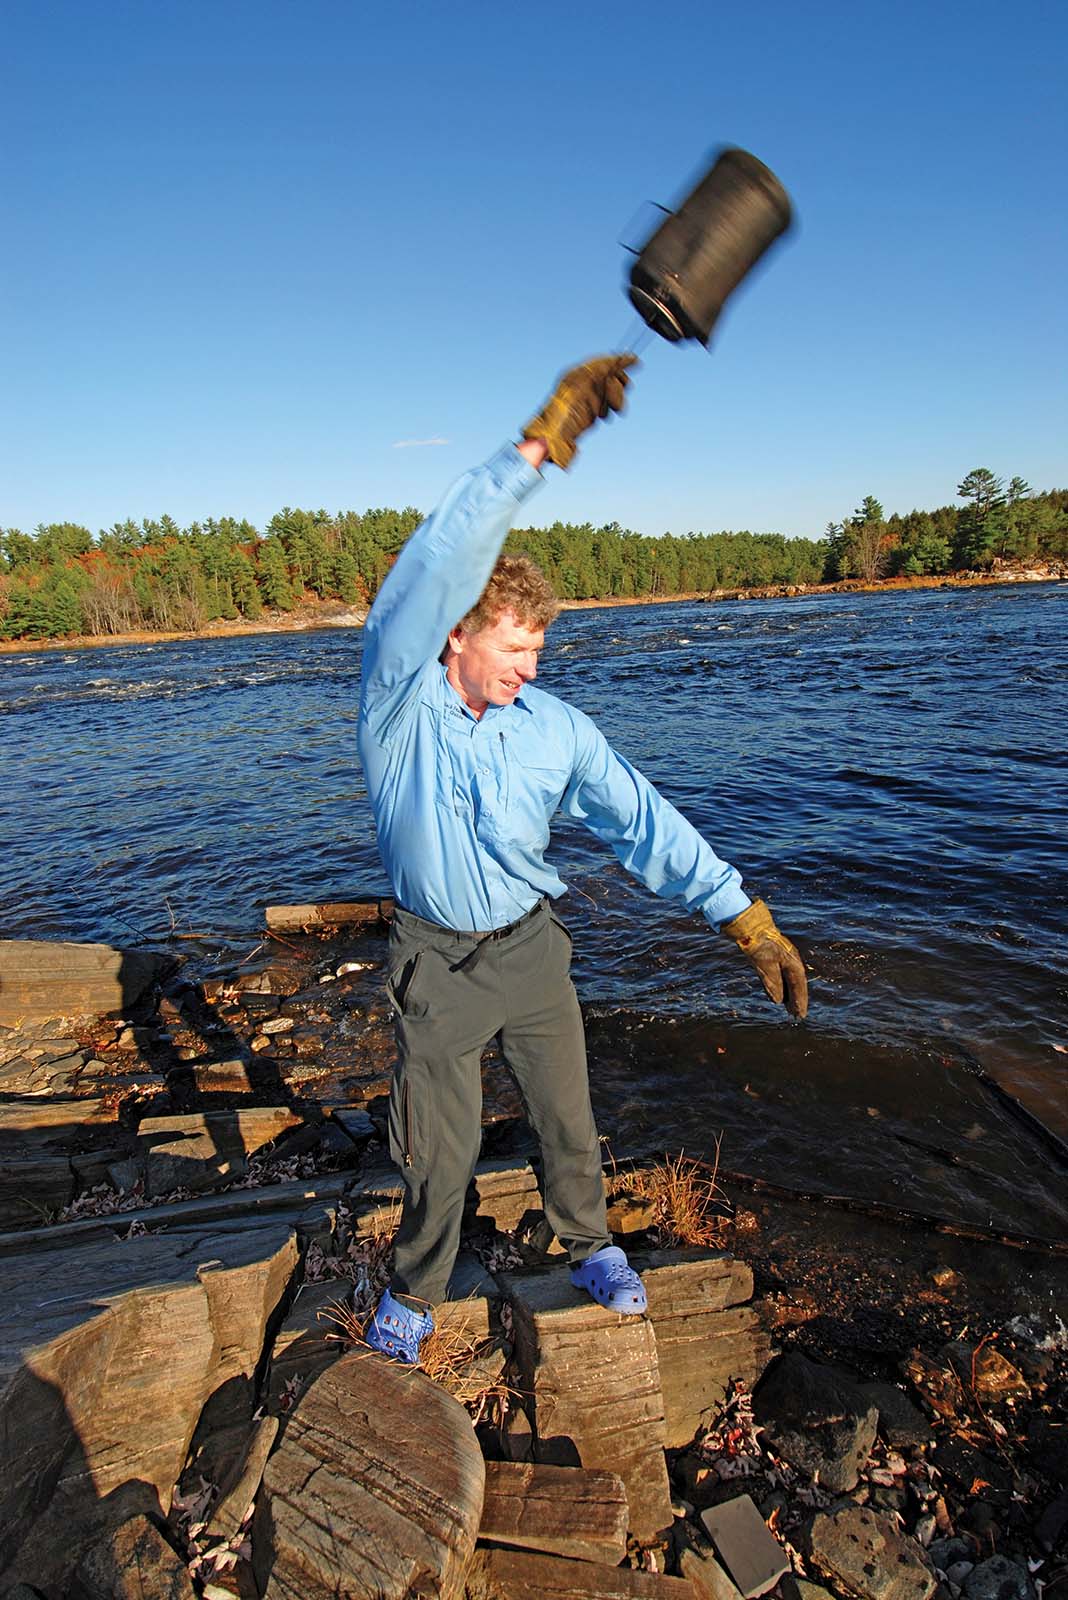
<point>779,967</point>
<point>582,395</point>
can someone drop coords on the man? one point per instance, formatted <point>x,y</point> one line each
<point>466,763</point>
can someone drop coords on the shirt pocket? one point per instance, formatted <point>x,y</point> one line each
<point>536,786</point>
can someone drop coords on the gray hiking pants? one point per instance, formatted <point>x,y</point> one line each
<point>452,992</point>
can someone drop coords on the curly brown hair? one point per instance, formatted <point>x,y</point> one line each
<point>518,585</point>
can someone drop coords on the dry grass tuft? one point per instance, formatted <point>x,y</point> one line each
<point>690,1204</point>
<point>449,1356</point>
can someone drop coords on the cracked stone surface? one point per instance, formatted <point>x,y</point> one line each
<point>375,1490</point>
<point>109,1352</point>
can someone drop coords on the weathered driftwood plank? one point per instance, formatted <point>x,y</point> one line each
<point>334,913</point>
<point>514,1575</point>
<point>375,1490</point>
<point>563,1511</point>
<point>594,1386</point>
<point>50,978</point>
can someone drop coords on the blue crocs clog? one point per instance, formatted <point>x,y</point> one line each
<point>397,1330</point>
<point>607,1277</point>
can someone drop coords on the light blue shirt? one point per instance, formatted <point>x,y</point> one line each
<point>462,805</point>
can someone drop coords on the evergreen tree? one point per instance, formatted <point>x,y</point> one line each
<point>976,527</point>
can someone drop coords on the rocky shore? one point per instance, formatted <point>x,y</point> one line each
<point>334,614</point>
<point>195,1217</point>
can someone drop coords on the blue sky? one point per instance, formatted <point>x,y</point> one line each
<point>254,247</point>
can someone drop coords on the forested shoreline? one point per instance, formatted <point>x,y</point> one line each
<point>61,581</point>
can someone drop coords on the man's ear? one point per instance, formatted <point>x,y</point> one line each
<point>455,641</point>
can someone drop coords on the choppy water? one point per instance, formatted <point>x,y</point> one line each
<point>890,771</point>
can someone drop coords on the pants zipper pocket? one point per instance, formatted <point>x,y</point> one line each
<point>406,1112</point>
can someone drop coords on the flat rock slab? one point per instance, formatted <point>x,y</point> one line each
<point>505,1191</point>
<point>563,1511</point>
<point>706,1336</point>
<point>514,1575</point>
<point>109,1352</point>
<point>751,1555</point>
<point>205,1149</point>
<point>863,1554</point>
<point>594,1389</point>
<point>376,1490</point>
<point>307,1205</point>
<point>39,1141</point>
<point>50,978</point>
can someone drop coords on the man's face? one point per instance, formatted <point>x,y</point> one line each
<point>490,667</point>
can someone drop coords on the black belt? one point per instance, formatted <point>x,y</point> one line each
<point>473,957</point>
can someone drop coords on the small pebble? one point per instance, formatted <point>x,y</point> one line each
<point>278,1025</point>
<point>925,1530</point>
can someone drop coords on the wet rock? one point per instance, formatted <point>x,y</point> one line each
<point>751,1555</point>
<point>900,1422</point>
<point>562,1511</point>
<point>111,1350</point>
<point>816,1420</point>
<point>999,1579</point>
<point>134,1562</point>
<point>974,1473</point>
<point>1052,1523</point>
<point>376,1489</point>
<point>944,1277</point>
<point>862,1553</point>
<point>937,1384</point>
<point>985,1370</point>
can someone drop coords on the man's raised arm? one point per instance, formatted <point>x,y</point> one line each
<point>445,565</point>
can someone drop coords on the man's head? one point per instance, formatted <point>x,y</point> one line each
<point>493,651</point>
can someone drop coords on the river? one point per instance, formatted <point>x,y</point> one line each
<point>888,770</point>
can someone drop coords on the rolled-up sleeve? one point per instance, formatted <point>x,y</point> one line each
<point>652,840</point>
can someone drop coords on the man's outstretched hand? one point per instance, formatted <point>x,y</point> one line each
<point>779,967</point>
<point>581,397</point>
